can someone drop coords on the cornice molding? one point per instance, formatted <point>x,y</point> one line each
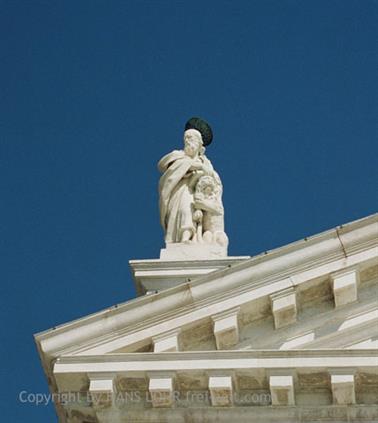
<point>217,360</point>
<point>218,355</point>
<point>198,310</point>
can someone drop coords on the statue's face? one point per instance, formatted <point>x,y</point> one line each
<point>209,190</point>
<point>192,142</point>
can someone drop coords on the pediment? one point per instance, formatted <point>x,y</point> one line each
<point>316,293</point>
<point>288,308</point>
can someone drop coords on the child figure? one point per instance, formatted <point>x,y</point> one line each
<point>208,211</point>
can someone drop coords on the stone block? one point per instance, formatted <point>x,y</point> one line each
<point>161,391</point>
<point>226,329</point>
<point>220,388</point>
<point>345,287</point>
<point>284,307</point>
<point>282,390</point>
<point>166,342</point>
<point>101,389</point>
<point>343,389</point>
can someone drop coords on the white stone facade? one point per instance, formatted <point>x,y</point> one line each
<point>286,336</point>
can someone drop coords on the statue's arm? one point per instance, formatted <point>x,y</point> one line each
<point>208,205</point>
<point>207,166</point>
<point>168,159</point>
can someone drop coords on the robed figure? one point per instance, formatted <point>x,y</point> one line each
<point>190,191</point>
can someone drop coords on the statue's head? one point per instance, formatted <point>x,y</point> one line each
<point>202,127</point>
<point>207,188</point>
<point>192,142</point>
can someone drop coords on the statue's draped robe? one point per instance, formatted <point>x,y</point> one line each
<point>176,197</point>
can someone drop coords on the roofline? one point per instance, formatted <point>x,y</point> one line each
<point>261,270</point>
<point>188,287</point>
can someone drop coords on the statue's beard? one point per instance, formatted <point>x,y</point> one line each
<point>190,152</point>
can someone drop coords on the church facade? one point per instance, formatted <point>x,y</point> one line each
<point>290,335</point>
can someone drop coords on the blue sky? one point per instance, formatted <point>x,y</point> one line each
<point>93,93</point>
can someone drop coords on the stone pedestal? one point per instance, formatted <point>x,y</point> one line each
<point>154,275</point>
<point>192,251</point>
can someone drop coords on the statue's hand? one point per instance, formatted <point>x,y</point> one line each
<point>197,216</point>
<point>195,176</point>
<point>197,165</point>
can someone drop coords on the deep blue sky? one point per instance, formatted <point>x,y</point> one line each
<point>93,93</point>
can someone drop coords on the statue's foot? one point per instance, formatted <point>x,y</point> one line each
<point>186,235</point>
<point>221,239</point>
<point>208,237</point>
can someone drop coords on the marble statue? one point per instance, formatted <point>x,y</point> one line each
<point>190,191</point>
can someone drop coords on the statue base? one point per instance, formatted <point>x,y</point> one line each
<point>192,251</point>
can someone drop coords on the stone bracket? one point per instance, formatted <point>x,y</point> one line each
<point>221,390</point>
<point>161,390</point>
<point>345,286</point>
<point>101,389</point>
<point>284,307</point>
<point>282,390</point>
<point>343,388</point>
<point>226,329</point>
<point>166,342</point>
